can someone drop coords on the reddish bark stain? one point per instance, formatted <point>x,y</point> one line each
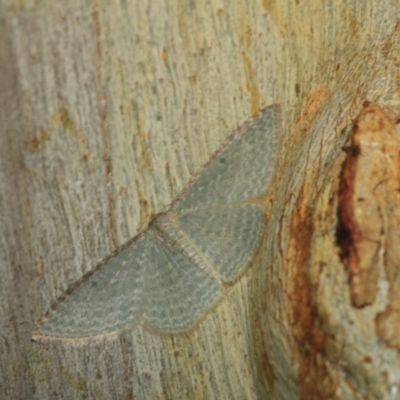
<point>314,377</point>
<point>311,108</point>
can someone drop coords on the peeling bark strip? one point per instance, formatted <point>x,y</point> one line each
<point>369,205</point>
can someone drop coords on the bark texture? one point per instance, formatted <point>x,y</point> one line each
<point>106,110</point>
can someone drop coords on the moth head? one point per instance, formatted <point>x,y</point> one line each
<point>163,220</point>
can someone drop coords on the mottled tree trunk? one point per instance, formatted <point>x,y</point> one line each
<point>108,108</point>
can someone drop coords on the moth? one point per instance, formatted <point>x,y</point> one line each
<point>168,276</point>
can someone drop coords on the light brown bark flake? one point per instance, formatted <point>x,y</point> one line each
<point>369,215</point>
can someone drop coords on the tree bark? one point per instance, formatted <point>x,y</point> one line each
<point>108,108</point>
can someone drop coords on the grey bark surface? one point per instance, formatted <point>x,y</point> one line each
<point>107,109</point>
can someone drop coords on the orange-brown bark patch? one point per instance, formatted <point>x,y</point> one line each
<point>314,377</point>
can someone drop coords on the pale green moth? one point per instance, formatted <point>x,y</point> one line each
<point>169,276</point>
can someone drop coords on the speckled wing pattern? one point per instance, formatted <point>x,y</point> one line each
<point>217,233</point>
<point>170,275</point>
<point>177,291</point>
<point>241,170</point>
<point>108,301</point>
